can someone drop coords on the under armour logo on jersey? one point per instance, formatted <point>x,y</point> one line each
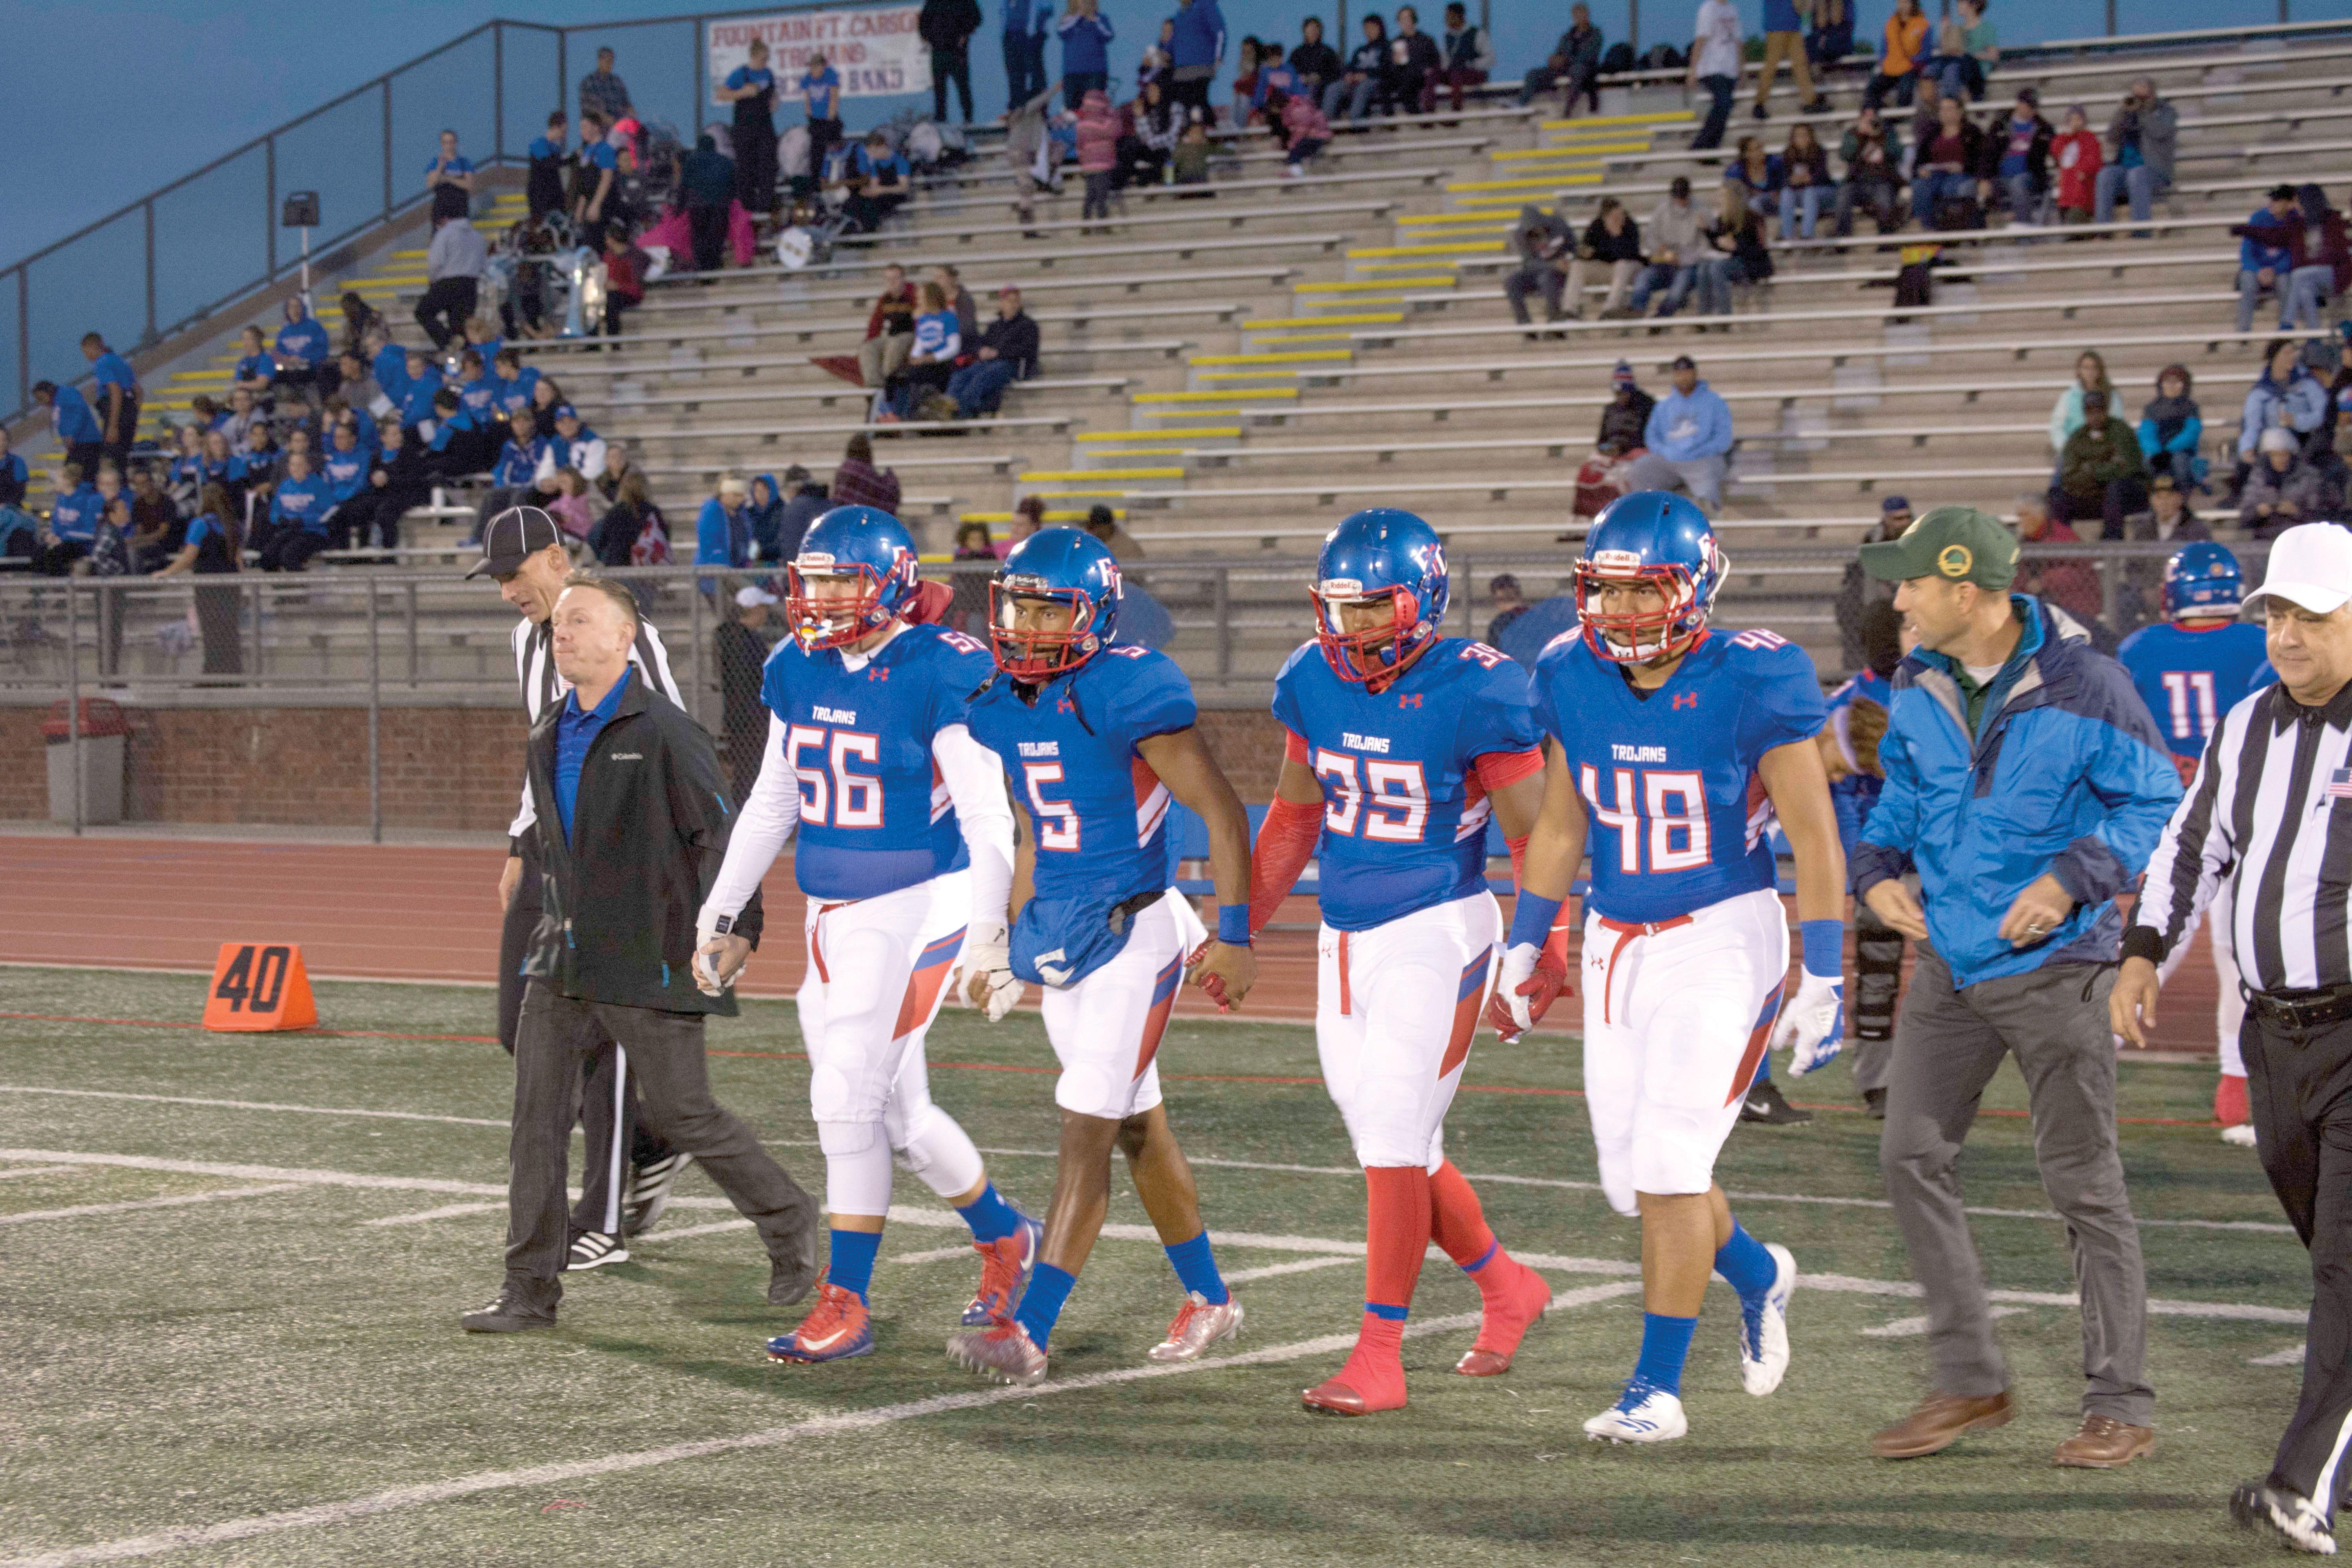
<point>1685,699</point>
<point>1062,704</point>
<point>1409,699</point>
<point>877,672</point>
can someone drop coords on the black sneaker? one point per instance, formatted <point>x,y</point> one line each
<point>510,1314</point>
<point>649,1190</point>
<point>593,1249</point>
<point>1874,1101</point>
<point>2292,1518</point>
<point>1764,1104</point>
<point>1760,113</point>
<point>793,1272</point>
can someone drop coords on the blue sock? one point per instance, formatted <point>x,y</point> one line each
<point>1042,1303</point>
<point>1196,1265</point>
<point>1763,1071</point>
<point>990,1216</point>
<point>1666,1345</point>
<point>851,1266</point>
<point>1743,1261</point>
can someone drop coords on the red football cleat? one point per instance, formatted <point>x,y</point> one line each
<point>1511,1310</point>
<point>1372,1380</point>
<point>2230,1101</point>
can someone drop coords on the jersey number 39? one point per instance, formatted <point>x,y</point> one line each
<point>1672,803</point>
<point>1391,804</point>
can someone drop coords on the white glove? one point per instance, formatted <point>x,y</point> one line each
<point>708,929</point>
<point>1812,1025</point>
<point>990,956</point>
<point>1518,964</point>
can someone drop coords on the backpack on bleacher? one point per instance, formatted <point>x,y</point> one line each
<point>1619,58</point>
<point>652,546</point>
<point>1664,58</point>
<point>924,144</point>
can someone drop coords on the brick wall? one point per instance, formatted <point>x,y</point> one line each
<point>454,768</point>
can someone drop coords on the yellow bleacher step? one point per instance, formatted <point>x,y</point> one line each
<point>1370,253</point>
<point>1318,337</point>
<point>201,378</point>
<point>1431,281</point>
<point>1131,452</point>
<point>1080,476</point>
<point>1539,183</point>
<point>1294,356</point>
<point>1078,495</point>
<point>1212,396</point>
<point>1572,150</point>
<point>1370,318</point>
<point>1444,220</point>
<point>1193,433</point>
<point>1664,117</point>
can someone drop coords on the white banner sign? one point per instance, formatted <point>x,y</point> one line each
<point>875,50</point>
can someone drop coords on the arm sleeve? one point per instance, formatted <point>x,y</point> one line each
<point>2132,774</point>
<point>2192,855</point>
<point>762,828</point>
<point>1286,843</point>
<point>975,782</point>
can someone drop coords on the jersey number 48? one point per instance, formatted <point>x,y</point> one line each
<point>1671,805</point>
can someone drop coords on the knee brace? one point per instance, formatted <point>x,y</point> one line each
<point>938,1152</point>
<point>856,1167</point>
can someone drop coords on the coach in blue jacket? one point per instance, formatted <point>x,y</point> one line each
<point>2027,784</point>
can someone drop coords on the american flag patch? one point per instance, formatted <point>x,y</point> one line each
<point>2339,785</point>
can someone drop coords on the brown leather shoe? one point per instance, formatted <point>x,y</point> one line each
<point>2105,1443</point>
<point>1939,1422</point>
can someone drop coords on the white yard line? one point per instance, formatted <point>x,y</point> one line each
<point>82,1210</point>
<point>1910,1328</point>
<point>401,1497</point>
<point>500,1122</point>
<point>446,1211</point>
<point>935,1255</point>
<point>38,1171</point>
<point>2290,1356</point>
<point>1304,1266</point>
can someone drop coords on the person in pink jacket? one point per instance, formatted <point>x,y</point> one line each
<point>1303,125</point>
<point>1097,151</point>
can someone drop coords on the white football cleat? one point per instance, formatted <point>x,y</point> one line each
<point>1002,1351</point>
<point>2242,1136</point>
<point>1643,1415</point>
<point>2297,1523</point>
<point>1198,1324</point>
<point>1764,1331</point>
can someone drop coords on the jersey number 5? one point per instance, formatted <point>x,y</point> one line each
<point>1057,820</point>
<point>1672,805</point>
<point>827,787</point>
<point>1392,804</point>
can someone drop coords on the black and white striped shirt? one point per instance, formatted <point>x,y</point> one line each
<point>2271,811</point>
<point>534,651</point>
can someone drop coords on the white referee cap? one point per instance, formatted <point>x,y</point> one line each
<point>2310,565</point>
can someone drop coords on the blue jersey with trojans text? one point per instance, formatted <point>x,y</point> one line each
<point>1404,813</point>
<point>1678,817</point>
<point>874,812</point>
<point>2190,677</point>
<point>1097,813</point>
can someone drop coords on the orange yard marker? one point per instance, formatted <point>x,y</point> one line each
<point>257,987</point>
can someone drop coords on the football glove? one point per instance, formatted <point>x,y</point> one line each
<point>708,929</point>
<point>1530,982</point>
<point>1812,1026</point>
<point>987,956</point>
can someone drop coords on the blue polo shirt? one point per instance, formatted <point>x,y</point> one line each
<point>576,734</point>
<point>482,395</point>
<point>113,369</point>
<point>461,165</point>
<point>304,339</point>
<point>824,91</point>
<point>540,147</point>
<point>75,517</point>
<point>253,367</point>
<point>517,394</point>
<point>74,420</point>
<point>602,157</point>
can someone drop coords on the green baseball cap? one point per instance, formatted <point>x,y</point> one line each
<point>1957,543</point>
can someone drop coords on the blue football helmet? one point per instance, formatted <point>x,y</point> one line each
<point>2202,579</point>
<point>1065,566</point>
<point>1379,554</point>
<point>1662,539</point>
<point>861,542</point>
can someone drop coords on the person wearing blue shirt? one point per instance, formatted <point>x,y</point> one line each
<point>254,367</point>
<point>19,533</point>
<point>420,379</point>
<point>450,178</point>
<point>2264,260</point>
<point>1194,51</point>
<point>345,467</point>
<point>930,361</point>
<point>479,392</point>
<point>301,348</point>
<point>461,444</point>
<point>76,425</point>
<point>722,533</point>
<point>297,517</point>
<point>543,187</point>
<point>513,475</point>
<point>117,397</point>
<point>820,88</point>
<point>599,168</point>
<point>751,89</point>
<point>881,180</point>
<point>1688,438</point>
<point>73,523</point>
<point>390,368</point>
<point>1025,22</point>
<point>1085,34</point>
<point>516,381</point>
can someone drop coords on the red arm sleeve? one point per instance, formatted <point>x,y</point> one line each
<point>1285,842</point>
<point>1497,770</point>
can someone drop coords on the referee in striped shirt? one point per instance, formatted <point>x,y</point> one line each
<point>2270,812</point>
<point>628,1171</point>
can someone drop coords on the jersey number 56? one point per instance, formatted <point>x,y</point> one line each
<point>830,794</point>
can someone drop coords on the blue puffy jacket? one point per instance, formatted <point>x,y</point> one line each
<point>2069,776</point>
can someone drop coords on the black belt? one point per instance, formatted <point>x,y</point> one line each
<point>1126,909</point>
<point>2300,1012</point>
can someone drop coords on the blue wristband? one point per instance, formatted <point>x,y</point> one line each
<point>1824,948</point>
<point>1531,919</point>
<point>1233,924</point>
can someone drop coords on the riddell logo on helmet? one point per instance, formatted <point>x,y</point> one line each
<point>813,562</point>
<point>1342,588</point>
<point>1625,560</point>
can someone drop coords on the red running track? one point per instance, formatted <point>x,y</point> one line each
<point>404,912</point>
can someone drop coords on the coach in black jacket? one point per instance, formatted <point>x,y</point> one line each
<point>633,820</point>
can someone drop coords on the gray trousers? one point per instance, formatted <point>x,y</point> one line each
<point>1947,1044</point>
<point>665,1056</point>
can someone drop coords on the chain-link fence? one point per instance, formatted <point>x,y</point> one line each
<point>361,698</point>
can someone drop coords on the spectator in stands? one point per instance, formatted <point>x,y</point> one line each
<point>1030,151</point>
<point>1688,438</point>
<point>2067,414</point>
<point>1784,39</point>
<point>1736,252</point>
<point>360,318</point>
<point>950,281</point>
<point>2264,260</point>
<point>461,445</point>
<point>1025,22</point>
<point>543,184</point>
<point>215,456</point>
<point>514,476</point>
<point>72,523</point>
<point>1315,63</point>
<point>212,547</point>
<point>569,506</point>
<point>751,89</point>
<point>1413,65</point>
<point>1303,127</point>
<point>2168,521</point>
<point>156,528</point>
<point>1801,175</point>
<point>301,347</point>
<point>117,398</point>
<point>939,341</point>
<point>252,472</point>
<point>1968,49</point>
<point>1466,57</point>
<point>420,382</point>
<point>631,528</point>
<point>1832,39</point>
<point>546,397</point>
<point>1189,164</point>
<point>2143,141</point>
<point>763,507</point>
<point>1546,248</point>
<point>1613,240</point>
<point>1756,174</point>
<point>1508,601</point>
<point>574,446</point>
<point>2320,254</point>
<point>1153,124</point>
<point>616,469</point>
<point>1860,593</point>
<point>453,265</point>
<point>710,189</point>
<point>2170,427</point>
<point>889,328</point>
<point>450,177</point>
<point>1950,164</point>
<point>2101,471</point>
<point>2285,488</point>
<point>1626,418</point>
<point>625,278</point>
<point>742,656</point>
<point>820,89</point>
<point>1097,154</point>
<point>2285,397</point>
<point>1006,353</point>
<point>399,479</point>
<point>1898,66</point>
<point>1927,119</point>
<point>856,481</point>
<point>298,519</point>
<point>1196,47</point>
<point>1873,155</point>
<point>1104,524</point>
<point>2080,161</point>
<point>2023,154</point>
<point>344,467</point>
<point>1245,82</point>
<point>804,501</point>
<point>354,383</point>
<point>976,558</point>
<point>1573,66</point>
<point>244,411</point>
<point>2072,586</point>
<point>1085,34</point>
<point>603,93</point>
<point>1354,93</point>
<point>255,369</point>
<point>881,180</point>
<point>1675,252</point>
<point>76,427</point>
<point>722,533</point>
<point>477,390</point>
<point>599,170</point>
<point>1716,48</point>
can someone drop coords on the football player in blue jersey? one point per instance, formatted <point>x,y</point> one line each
<point>906,854</point>
<point>2191,668</point>
<point>1673,748</point>
<point>1098,737</point>
<point>1402,745</point>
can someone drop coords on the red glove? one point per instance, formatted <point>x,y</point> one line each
<point>1545,985</point>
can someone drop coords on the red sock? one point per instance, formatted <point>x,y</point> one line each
<point>1396,1234</point>
<point>2230,1101</point>
<point>1459,1224</point>
<point>1380,1344</point>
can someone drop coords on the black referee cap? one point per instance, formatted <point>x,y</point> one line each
<point>514,536</point>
